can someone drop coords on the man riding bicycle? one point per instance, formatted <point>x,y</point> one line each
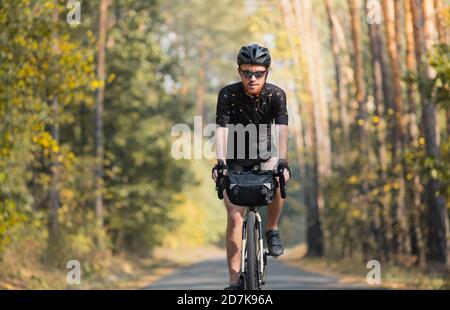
<point>251,101</point>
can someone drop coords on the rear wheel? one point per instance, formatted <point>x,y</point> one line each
<point>251,270</point>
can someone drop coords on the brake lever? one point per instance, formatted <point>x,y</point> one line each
<point>282,183</point>
<point>219,186</point>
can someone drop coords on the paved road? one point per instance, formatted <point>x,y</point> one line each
<point>213,275</point>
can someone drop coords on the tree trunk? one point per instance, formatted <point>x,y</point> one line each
<point>318,164</point>
<point>398,28</point>
<point>444,38</point>
<point>360,97</point>
<point>340,111</point>
<point>412,138</point>
<point>314,228</point>
<point>184,86</point>
<point>99,145</point>
<point>200,92</point>
<point>437,213</point>
<point>389,217</point>
<point>442,31</point>
<point>301,132</point>
<point>53,236</point>
<point>388,12</point>
<point>347,76</point>
<point>53,226</point>
<point>304,14</point>
<point>295,114</point>
<point>399,221</point>
<point>377,76</point>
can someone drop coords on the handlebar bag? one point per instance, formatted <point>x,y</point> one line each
<point>251,189</point>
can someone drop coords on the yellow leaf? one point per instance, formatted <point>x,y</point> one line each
<point>55,148</point>
<point>67,194</point>
<point>396,185</point>
<point>434,173</point>
<point>111,77</point>
<point>356,213</point>
<point>352,180</point>
<point>95,84</point>
<point>49,5</point>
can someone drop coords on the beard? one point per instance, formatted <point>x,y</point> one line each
<point>254,88</point>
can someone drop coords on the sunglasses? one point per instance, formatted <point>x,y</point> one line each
<point>248,74</point>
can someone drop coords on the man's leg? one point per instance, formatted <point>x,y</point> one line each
<point>273,215</point>
<point>274,243</point>
<point>274,209</point>
<point>234,238</point>
<point>274,212</point>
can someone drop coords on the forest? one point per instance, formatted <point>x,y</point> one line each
<point>90,92</point>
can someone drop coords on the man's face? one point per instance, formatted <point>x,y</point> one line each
<point>253,83</point>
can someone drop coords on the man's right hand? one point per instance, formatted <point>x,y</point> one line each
<point>219,169</point>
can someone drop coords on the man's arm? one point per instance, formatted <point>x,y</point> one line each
<point>282,120</point>
<point>283,134</point>
<point>221,150</point>
<point>221,143</point>
<point>222,119</point>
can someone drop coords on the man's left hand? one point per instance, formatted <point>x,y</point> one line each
<point>284,167</point>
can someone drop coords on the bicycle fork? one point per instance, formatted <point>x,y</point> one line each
<point>262,256</point>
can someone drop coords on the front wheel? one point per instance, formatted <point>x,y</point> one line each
<point>251,270</point>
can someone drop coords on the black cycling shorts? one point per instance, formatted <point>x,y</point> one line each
<point>243,165</point>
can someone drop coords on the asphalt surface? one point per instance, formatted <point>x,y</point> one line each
<point>212,274</point>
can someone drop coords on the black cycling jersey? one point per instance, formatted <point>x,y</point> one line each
<point>235,107</point>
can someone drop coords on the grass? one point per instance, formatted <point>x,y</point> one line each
<point>202,221</point>
<point>122,272</point>
<point>353,270</point>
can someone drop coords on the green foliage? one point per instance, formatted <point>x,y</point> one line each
<point>138,122</point>
<point>204,37</point>
<point>39,63</point>
<point>440,60</point>
<point>155,54</point>
<point>46,64</point>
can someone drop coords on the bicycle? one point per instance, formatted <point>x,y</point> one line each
<point>253,270</point>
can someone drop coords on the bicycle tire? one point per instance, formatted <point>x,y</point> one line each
<point>252,263</point>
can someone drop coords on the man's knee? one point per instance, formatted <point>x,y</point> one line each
<point>235,216</point>
<point>235,213</point>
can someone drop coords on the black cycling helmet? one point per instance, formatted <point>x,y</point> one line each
<point>254,55</point>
